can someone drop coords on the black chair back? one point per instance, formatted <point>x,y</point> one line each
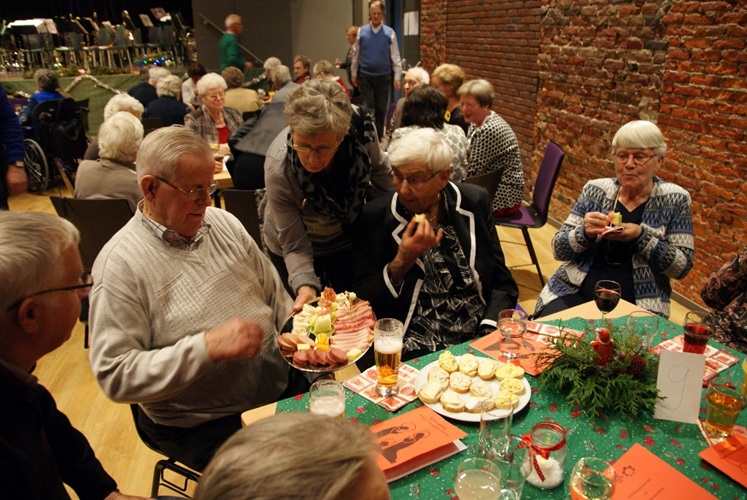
<point>243,203</point>
<point>97,221</point>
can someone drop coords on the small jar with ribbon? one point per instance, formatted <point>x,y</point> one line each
<point>547,450</point>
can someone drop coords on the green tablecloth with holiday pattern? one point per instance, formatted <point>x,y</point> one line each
<point>609,437</point>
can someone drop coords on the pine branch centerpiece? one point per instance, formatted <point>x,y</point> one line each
<point>604,370</point>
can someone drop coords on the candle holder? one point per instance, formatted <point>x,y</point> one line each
<point>548,450</point>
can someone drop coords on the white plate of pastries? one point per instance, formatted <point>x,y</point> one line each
<point>456,386</point>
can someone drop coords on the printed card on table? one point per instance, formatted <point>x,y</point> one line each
<point>415,440</point>
<point>365,385</point>
<point>536,338</point>
<point>679,381</point>
<point>716,360</point>
<point>730,457</point>
<point>641,475</point>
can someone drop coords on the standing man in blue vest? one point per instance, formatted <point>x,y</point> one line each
<point>375,62</point>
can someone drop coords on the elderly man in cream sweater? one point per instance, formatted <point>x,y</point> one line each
<point>185,308</point>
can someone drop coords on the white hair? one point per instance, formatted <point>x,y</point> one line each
<point>169,86</point>
<point>123,102</point>
<point>208,82</point>
<point>422,146</point>
<point>120,136</point>
<point>156,73</point>
<point>31,248</point>
<point>419,74</point>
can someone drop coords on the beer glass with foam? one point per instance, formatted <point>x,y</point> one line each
<point>388,335</point>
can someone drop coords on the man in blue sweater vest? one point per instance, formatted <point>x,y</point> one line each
<point>375,62</point>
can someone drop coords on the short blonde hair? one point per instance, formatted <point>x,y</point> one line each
<point>451,76</point>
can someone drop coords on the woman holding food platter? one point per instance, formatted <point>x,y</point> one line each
<point>634,228</point>
<point>319,172</point>
<point>429,254</point>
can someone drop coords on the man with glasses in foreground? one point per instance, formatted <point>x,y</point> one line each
<point>185,307</point>
<point>429,254</point>
<point>40,291</point>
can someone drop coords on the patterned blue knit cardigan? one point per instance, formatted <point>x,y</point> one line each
<point>664,249</point>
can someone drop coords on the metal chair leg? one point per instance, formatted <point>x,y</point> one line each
<point>533,255</point>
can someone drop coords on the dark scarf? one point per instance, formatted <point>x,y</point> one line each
<point>340,192</point>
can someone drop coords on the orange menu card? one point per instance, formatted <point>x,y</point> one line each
<point>414,440</point>
<point>730,457</point>
<point>642,475</point>
<point>536,338</point>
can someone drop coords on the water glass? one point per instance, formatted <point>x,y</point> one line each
<point>495,426</point>
<point>644,325</point>
<point>592,479</point>
<point>478,479</point>
<point>327,397</point>
<point>512,323</point>
<point>512,459</point>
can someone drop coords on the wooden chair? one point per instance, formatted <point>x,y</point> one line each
<point>97,221</point>
<point>534,215</point>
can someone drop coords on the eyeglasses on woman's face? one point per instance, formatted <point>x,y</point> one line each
<point>412,181</point>
<point>319,150</point>
<point>639,159</point>
<point>216,96</point>
<point>193,194</point>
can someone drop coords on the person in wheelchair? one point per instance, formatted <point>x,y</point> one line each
<point>46,90</point>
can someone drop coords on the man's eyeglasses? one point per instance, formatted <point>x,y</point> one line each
<point>196,193</point>
<point>638,158</point>
<point>216,96</point>
<point>82,288</point>
<point>320,150</point>
<point>398,178</point>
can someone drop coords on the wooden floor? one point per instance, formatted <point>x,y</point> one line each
<point>109,427</point>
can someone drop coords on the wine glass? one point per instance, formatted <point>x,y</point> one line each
<point>592,478</point>
<point>644,325</point>
<point>698,330</point>
<point>606,296</point>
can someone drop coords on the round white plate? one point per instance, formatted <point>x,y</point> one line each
<point>464,416</point>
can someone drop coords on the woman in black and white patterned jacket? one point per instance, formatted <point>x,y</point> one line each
<point>492,145</point>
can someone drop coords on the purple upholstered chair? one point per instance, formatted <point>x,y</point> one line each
<point>535,214</point>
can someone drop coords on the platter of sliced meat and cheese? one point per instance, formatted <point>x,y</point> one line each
<point>329,333</point>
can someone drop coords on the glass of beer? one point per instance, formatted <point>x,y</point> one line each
<point>697,332</point>
<point>327,397</point>
<point>388,335</point>
<point>725,400</point>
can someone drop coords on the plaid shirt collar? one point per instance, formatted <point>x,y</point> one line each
<point>168,235</point>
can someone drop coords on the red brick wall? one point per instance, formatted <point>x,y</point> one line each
<point>575,71</point>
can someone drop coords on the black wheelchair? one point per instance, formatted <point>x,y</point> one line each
<point>59,137</point>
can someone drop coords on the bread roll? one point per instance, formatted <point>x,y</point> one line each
<point>439,375</point>
<point>460,382</point>
<point>512,385</point>
<point>450,401</point>
<point>468,364</point>
<point>509,371</point>
<point>430,392</point>
<point>486,370</point>
<point>447,361</point>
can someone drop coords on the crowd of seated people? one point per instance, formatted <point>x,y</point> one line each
<point>340,211</point>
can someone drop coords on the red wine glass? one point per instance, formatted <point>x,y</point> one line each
<point>606,296</point>
<point>697,327</point>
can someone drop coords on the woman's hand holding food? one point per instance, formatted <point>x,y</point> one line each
<point>416,239</point>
